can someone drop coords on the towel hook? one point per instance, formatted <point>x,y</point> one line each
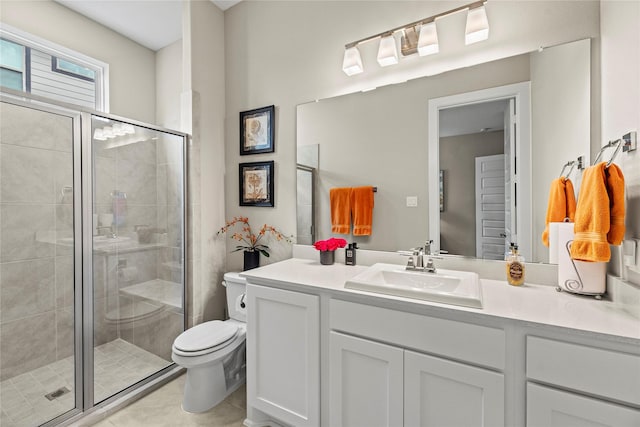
<point>618,143</point>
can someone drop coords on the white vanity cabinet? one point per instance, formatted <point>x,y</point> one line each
<point>384,383</point>
<point>440,392</point>
<point>576,385</point>
<point>322,355</point>
<point>283,351</point>
<point>365,382</point>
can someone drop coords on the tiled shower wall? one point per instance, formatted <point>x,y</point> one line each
<point>36,275</point>
<point>36,211</point>
<point>149,173</point>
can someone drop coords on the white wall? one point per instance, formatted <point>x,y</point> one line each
<point>287,53</point>
<point>619,23</point>
<point>169,85</point>
<point>203,110</point>
<point>131,66</point>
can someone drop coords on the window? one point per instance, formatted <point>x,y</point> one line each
<point>12,65</point>
<point>37,66</point>
<point>59,65</point>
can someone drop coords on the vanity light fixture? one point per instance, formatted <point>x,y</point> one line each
<point>98,135</point>
<point>387,52</point>
<point>428,39</point>
<point>352,62</point>
<point>477,29</point>
<point>477,25</point>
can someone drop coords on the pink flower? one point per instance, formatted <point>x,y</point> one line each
<point>330,244</point>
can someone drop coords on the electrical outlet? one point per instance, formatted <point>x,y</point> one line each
<point>412,201</point>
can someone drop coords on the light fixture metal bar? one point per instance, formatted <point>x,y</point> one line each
<point>419,22</point>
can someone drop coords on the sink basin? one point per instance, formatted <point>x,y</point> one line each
<point>445,286</point>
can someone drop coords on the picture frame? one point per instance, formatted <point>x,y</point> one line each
<point>441,186</point>
<point>257,131</point>
<point>256,184</point>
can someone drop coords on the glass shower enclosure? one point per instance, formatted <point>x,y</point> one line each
<point>92,250</point>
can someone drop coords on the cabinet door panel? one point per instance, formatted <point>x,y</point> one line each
<point>365,383</point>
<point>442,393</point>
<point>283,350</point>
<point>554,408</point>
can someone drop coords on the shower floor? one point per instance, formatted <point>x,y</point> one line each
<point>118,364</point>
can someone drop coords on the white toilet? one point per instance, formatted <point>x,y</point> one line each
<point>214,352</point>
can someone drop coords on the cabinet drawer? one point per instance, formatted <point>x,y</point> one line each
<point>547,407</point>
<point>456,340</point>
<point>592,370</point>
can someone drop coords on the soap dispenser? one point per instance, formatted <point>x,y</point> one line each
<point>515,266</point>
<point>350,254</point>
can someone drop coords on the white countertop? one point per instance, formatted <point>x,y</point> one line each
<point>539,304</point>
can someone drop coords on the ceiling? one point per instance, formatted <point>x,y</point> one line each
<point>151,23</point>
<point>474,118</point>
<point>158,23</point>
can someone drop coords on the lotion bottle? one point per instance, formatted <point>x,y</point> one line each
<point>515,266</point>
<point>350,254</point>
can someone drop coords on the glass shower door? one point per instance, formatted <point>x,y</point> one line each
<point>39,350</point>
<point>137,251</point>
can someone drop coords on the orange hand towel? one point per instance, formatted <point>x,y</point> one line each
<point>562,204</point>
<point>340,200</point>
<point>362,208</point>
<point>615,190</point>
<point>600,213</point>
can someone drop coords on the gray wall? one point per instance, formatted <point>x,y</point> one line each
<point>131,66</point>
<point>621,99</point>
<point>457,160</point>
<point>265,65</point>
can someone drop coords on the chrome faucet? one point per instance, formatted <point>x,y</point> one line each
<point>420,253</point>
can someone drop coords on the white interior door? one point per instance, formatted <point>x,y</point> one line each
<point>490,207</point>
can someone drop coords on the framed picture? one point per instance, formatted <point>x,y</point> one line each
<point>257,131</point>
<point>441,190</point>
<point>256,184</point>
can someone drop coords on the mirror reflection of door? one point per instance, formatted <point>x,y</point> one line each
<point>475,147</point>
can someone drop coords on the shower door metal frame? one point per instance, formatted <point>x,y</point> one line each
<point>82,152</point>
<point>87,252</point>
<point>87,191</point>
<point>18,99</point>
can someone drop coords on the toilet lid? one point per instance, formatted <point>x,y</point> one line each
<point>205,335</point>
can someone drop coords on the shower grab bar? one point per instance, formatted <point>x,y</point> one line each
<point>617,143</point>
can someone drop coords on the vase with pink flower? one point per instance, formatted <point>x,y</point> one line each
<point>328,248</point>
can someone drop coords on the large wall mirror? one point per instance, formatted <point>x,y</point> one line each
<point>419,142</point>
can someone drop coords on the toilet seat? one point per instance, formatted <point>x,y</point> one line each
<point>205,338</point>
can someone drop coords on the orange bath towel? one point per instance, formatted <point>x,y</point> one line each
<point>562,204</point>
<point>362,209</point>
<point>600,213</point>
<point>340,200</point>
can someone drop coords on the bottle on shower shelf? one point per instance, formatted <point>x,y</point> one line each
<point>119,201</point>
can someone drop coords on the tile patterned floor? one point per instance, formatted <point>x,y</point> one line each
<point>117,364</point>
<point>163,408</point>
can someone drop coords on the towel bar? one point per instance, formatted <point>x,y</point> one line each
<point>617,143</point>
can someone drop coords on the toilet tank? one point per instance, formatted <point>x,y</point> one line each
<point>236,288</point>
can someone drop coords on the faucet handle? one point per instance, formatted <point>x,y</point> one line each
<point>427,247</point>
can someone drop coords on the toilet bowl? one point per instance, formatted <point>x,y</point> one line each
<point>214,353</point>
